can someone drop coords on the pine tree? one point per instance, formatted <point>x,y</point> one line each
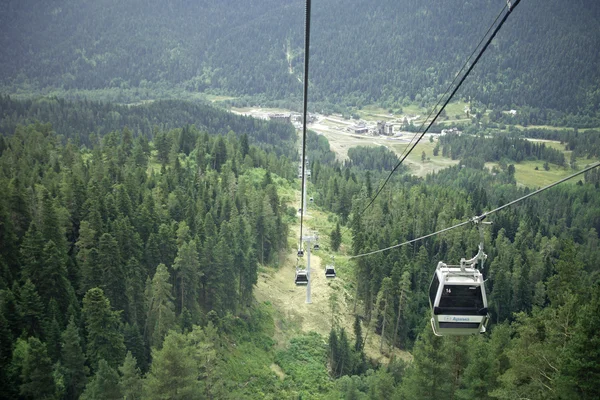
<point>187,266</point>
<point>87,257</point>
<point>161,314</point>
<point>36,372</point>
<point>581,369</point>
<point>336,238</point>
<point>345,361</point>
<point>104,339</point>
<point>134,343</point>
<point>403,295</point>
<point>130,382</point>
<point>30,308</point>
<point>50,226</point>
<point>333,352</point>
<point>113,276</point>
<point>429,376</point>
<point>6,341</point>
<point>358,344</point>
<point>174,372</point>
<point>32,257</point>
<point>54,282</point>
<point>104,385</point>
<point>135,292</point>
<point>52,332</point>
<point>73,361</point>
<point>384,297</point>
<point>204,344</point>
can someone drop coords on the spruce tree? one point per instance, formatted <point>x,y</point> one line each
<point>429,376</point>
<point>30,308</point>
<point>54,282</point>
<point>174,372</point>
<point>134,343</point>
<point>73,361</point>
<point>130,382</point>
<point>333,352</point>
<point>36,372</point>
<point>336,237</point>
<point>6,340</point>
<point>161,314</point>
<point>104,385</point>
<point>104,339</point>
<point>358,343</point>
<point>187,266</point>
<point>113,276</point>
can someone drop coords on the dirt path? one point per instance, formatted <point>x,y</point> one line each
<point>293,315</point>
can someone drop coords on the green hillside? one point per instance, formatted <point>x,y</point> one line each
<point>386,52</point>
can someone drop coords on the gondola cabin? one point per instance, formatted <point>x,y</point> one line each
<point>316,246</point>
<point>301,277</point>
<point>329,271</point>
<point>300,253</point>
<point>458,301</point>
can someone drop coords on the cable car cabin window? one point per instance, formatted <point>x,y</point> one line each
<point>461,299</point>
<point>433,289</point>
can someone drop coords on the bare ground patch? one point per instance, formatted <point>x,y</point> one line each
<point>293,315</point>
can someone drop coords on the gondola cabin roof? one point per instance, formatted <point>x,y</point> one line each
<point>301,278</point>
<point>330,271</point>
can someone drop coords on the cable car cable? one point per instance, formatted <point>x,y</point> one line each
<point>304,112</point>
<point>480,217</point>
<point>502,21</point>
<point>455,78</point>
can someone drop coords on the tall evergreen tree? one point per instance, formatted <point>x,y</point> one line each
<point>113,276</point>
<point>36,372</point>
<point>73,361</point>
<point>30,308</point>
<point>130,382</point>
<point>187,266</point>
<point>336,237</point>
<point>161,314</point>
<point>104,385</point>
<point>429,377</point>
<point>104,339</point>
<point>358,343</point>
<point>174,372</point>
<point>54,282</point>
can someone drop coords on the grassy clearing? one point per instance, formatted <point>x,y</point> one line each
<point>292,316</point>
<point>553,144</point>
<point>413,109</point>
<point>526,174</point>
<point>431,164</point>
<point>456,108</point>
<point>374,113</point>
<point>216,98</point>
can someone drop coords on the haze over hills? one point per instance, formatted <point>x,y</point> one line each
<point>362,52</point>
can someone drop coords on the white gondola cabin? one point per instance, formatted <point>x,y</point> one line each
<point>316,246</point>
<point>458,301</point>
<point>301,278</point>
<point>300,253</point>
<point>329,271</point>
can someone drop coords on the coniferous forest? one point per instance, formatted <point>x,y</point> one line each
<point>140,224</point>
<point>128,268</point>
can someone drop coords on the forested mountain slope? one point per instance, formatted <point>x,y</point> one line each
<point>83,121</point>
<point>128,267</point>
<point>385,51</point>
